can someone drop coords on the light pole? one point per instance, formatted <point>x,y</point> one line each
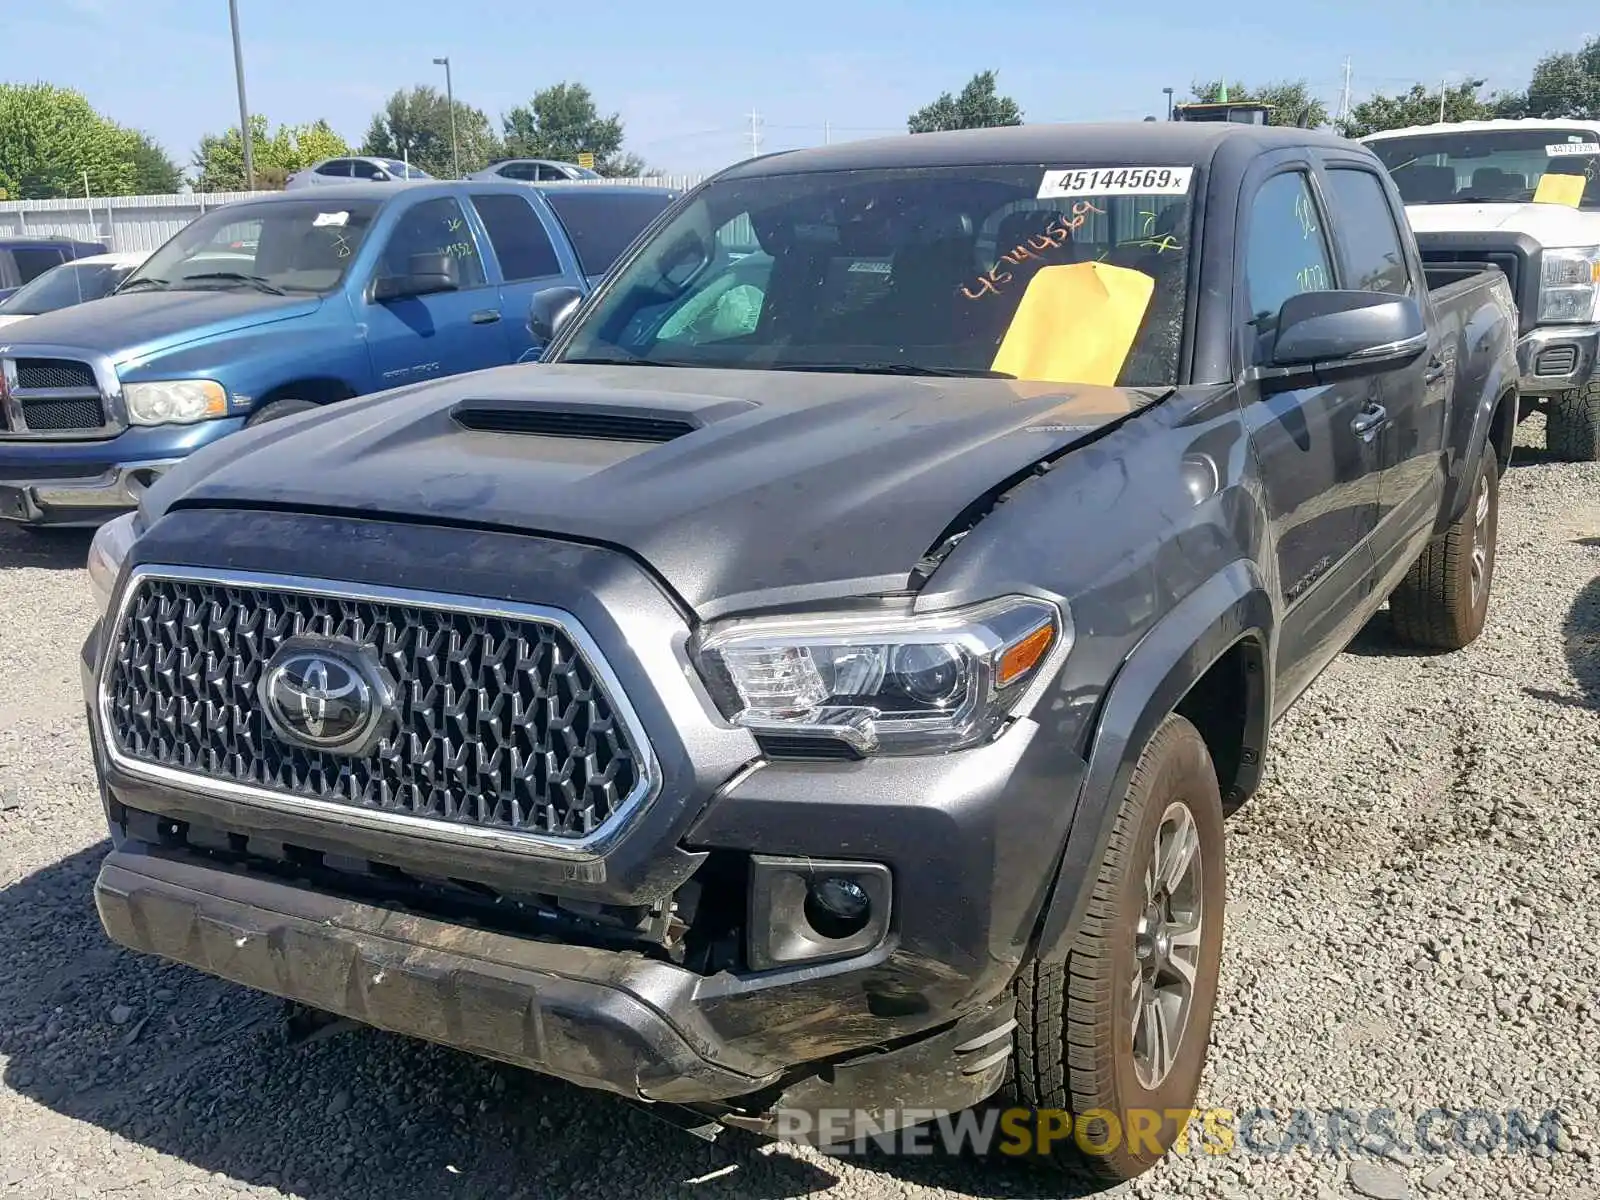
<point>450,98</point>
<point>1472,83</point>
<point>245,139</point>
<point>1168,92</point>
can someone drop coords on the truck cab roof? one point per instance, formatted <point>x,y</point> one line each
<point>1121,143</point>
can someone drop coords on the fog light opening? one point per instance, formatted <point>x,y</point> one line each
<point>837,908</point>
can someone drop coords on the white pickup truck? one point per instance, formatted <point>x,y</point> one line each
<point>1477,192</point>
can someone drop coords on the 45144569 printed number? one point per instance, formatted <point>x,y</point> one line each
<point>1116,181</point>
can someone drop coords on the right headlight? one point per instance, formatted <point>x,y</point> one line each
<point>1568,284</point>
<point>107,552</point>
<point>884,683</point>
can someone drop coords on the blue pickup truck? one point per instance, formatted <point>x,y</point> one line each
<point>272,306</point>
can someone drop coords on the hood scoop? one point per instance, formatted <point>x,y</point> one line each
<point>587,423</point>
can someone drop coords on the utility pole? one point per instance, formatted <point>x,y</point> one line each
<point>245,139</point>
<point>755,133</point>
<point>1441,101</point>
<point>1344,96</point>
<point>1168,93</point>
<point>450,99</point>
<point>827,133</point>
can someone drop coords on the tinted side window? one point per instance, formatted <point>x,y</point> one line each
<point>1288,250</point>
<point>522,171</point>
<point>339,167</point>
<point>604,224</point>
<point>34,261</point>
<point>434,227</point>
<point>1375,262</point>
<point>518,237</point>
<point>362,169</point>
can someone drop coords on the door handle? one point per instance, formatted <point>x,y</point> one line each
<point>486,316</point>
<point>1436,371</point>
<point>1371,419</point>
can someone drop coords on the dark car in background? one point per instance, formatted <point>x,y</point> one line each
<point>24,259</point>
<point>77,282</point>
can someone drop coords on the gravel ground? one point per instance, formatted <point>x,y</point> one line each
<point>1409,927</point>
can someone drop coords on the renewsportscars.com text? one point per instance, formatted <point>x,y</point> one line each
<point>1022,1132</point>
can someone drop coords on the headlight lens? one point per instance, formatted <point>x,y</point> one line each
<point>107,552</point>
<point>175,402</point>
<point>884,683</point>
<point>1568,283</point>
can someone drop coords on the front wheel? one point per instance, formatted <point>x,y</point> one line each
<point>1443,602</point>
<point>1572,429</point>
<point>1117,1035</point>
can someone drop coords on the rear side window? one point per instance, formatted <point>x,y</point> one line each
<point>339,167</point>
<point>604,224</point>
<point>34,261</point>
<point>1288,250</point>
<point>518,237</point>
<point>1371,243</point>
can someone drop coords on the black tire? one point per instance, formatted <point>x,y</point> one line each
<point>1572,428</point>
<point>1075,1046</point>
<point>1443,601</point>
<point>280,408</point>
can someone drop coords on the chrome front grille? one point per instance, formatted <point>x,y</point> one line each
<point>507,725</point>
<point>50,396</point>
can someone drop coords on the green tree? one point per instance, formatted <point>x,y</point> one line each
<point>1563,85</point>
<point>978,106</point>
<point>219,162</point>
<point>1291,100</point>
<point>414,125</point>
<point>154,171</point>
<point>561,122</point>
<point>1419,106</point>
<point>51,136</point>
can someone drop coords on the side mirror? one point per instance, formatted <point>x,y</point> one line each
<point>550,309</point>
<point>1341,335</point>
<point>427,275</point>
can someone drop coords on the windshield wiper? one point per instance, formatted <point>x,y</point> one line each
<point>255,281</point>
<point>144,281</point>
<point>597,360</point>
<point>890,368</point>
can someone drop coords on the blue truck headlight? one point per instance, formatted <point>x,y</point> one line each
<point>175,402</point>
<point>884,683</point>
<point>107,552</point>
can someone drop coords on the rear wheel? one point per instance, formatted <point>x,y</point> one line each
<point>1572,429</point>
<point>1117,1035</point>
<point>1443,601</point>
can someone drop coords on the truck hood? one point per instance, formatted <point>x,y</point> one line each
<point>1548,224</point>
<point>741,488</point>
<point>140,324</point>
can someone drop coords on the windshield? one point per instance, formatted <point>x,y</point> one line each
<point>303,246</point>
<point>64,286</point>
<point>1061,275</point>
<point>1489,166</point>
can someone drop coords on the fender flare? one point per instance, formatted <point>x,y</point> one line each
<point>1500,388</point>
<point>1232,606</point>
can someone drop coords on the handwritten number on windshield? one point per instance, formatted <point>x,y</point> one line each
<point>1056,235</point>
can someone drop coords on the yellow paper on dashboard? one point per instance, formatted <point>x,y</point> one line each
<point>1560,189</point>
<point>1075,324</point>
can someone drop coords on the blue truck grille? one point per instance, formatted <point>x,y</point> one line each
<point>39,373</point>
<point>499,723</point>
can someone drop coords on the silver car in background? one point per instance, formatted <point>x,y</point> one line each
<point>534,170</point>
<point>343,170</point>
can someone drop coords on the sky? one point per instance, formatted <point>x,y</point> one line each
<point>685,75</point>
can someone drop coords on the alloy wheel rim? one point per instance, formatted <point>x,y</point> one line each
<point>1480,540</point>
<point>1167,946</point>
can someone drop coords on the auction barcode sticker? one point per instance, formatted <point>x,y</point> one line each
<point>1561,148</point>
<point>1116,181</point>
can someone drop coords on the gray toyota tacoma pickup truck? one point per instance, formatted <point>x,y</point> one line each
<point>818,686</point>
